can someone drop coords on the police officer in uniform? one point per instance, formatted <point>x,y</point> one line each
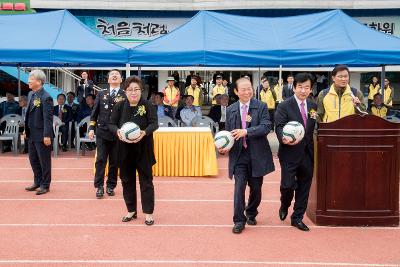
<point>106,142</point>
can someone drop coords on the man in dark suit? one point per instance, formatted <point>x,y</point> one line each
<point>218,112</point>
<point>287,90</point>
<point>106,141</point>
<point>162,110</point>
<point>39,130</point>
<point>296,158</point>
<point>85,87</point>
<point>64,112</point>
<point>75,108</point>
<point>250,157</point>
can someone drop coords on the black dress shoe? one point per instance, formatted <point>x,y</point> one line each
<point>32,187</point>
<point>283,213</point>
<point>100,192</point>
<point>42,191</point>
<point>300,225</point>
<point>238,228</point>
<point>149,222</point>
<point>110,192</point>
<point>129,218</point>
<point>251,221</point>
<point>64,149</point>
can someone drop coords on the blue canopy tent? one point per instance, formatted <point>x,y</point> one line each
<point>321,39</point>
<point>54,39</point>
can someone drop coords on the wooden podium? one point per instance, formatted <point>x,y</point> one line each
<point>356,173</point>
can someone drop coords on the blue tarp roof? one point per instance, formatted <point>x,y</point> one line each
<point>54,38</point>
<point>321,39</point>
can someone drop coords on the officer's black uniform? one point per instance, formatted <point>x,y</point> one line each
<point>106,142</point>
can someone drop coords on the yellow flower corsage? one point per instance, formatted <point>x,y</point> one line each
<point>141,111</point>
<point>64,110</point>
<point>248,118</point>
<point>37,102</point>
<point>313,114</point>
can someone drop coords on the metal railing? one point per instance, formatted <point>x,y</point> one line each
<point>77,77</point>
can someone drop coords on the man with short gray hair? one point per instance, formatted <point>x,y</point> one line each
<point>39,131</point>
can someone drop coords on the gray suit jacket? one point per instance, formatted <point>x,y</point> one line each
<point>257,131</point>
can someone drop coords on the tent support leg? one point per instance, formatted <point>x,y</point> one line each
<point>139,70</point>
<point>383,74</point>
<point>128,70</point>
<point>19,82</point>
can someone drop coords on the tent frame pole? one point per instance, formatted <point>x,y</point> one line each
<point>383,74</point>
<point>128,70</point>
<point>19,81</point>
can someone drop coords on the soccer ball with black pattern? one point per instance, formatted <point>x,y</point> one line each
<point>223,140</point>
<point>293,131</point>
<point>130,131</point>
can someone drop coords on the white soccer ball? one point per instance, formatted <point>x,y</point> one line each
<point>224,140</point>
<point>293,131</point>
<point>130,131</point>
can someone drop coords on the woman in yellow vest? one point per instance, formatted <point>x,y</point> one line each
<point>218,89</point>
<point>388,94</point>
<point>340,99</point>
<point>268,96</point>
<point>171,95</point>
<point>194,91</point>
<point>373,89</point>
<point>378,108</point>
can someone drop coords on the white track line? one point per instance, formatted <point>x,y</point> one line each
<point>120,199</point>
<point>154,181</point>
<point>54,168</point>
<point>111,225</point>
<point>207,262</point>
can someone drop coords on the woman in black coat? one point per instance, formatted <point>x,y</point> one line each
<point>136,155</point>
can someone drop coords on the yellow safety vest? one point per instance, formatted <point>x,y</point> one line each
<point>278,90</point>
<point>388,101</point>
<point>379,111</point>
<point>335,107</point>
<point>373,91</point>
<point>267,97</point>
<point>218,90</point>
<point>195,93</point>
<point>171,94</point>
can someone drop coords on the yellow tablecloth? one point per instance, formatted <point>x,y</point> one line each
<point>184,151</point>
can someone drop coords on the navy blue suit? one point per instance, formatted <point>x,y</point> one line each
<point>39,124</point>
<point>249,165</point>
<point>297,161</point>
<point>66,118</point>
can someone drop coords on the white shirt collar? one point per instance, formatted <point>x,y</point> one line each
<point>247,104</point>
<point>299,102</point>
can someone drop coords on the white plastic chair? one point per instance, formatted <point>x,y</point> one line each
<point>84,139</point>
<point>205,121</point>
<point>166,122</point>
<point>56,128</point>
<point>11,132</point>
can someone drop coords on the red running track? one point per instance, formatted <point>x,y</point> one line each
<point>193,221</point>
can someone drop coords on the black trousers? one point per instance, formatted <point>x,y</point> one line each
<point>296,181</point>
<point>64,137</point>
<point>272,117</point>
<point>242,174</point>
<point>40,159</point>
<point>106,150</point>
<point>128,169</point>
